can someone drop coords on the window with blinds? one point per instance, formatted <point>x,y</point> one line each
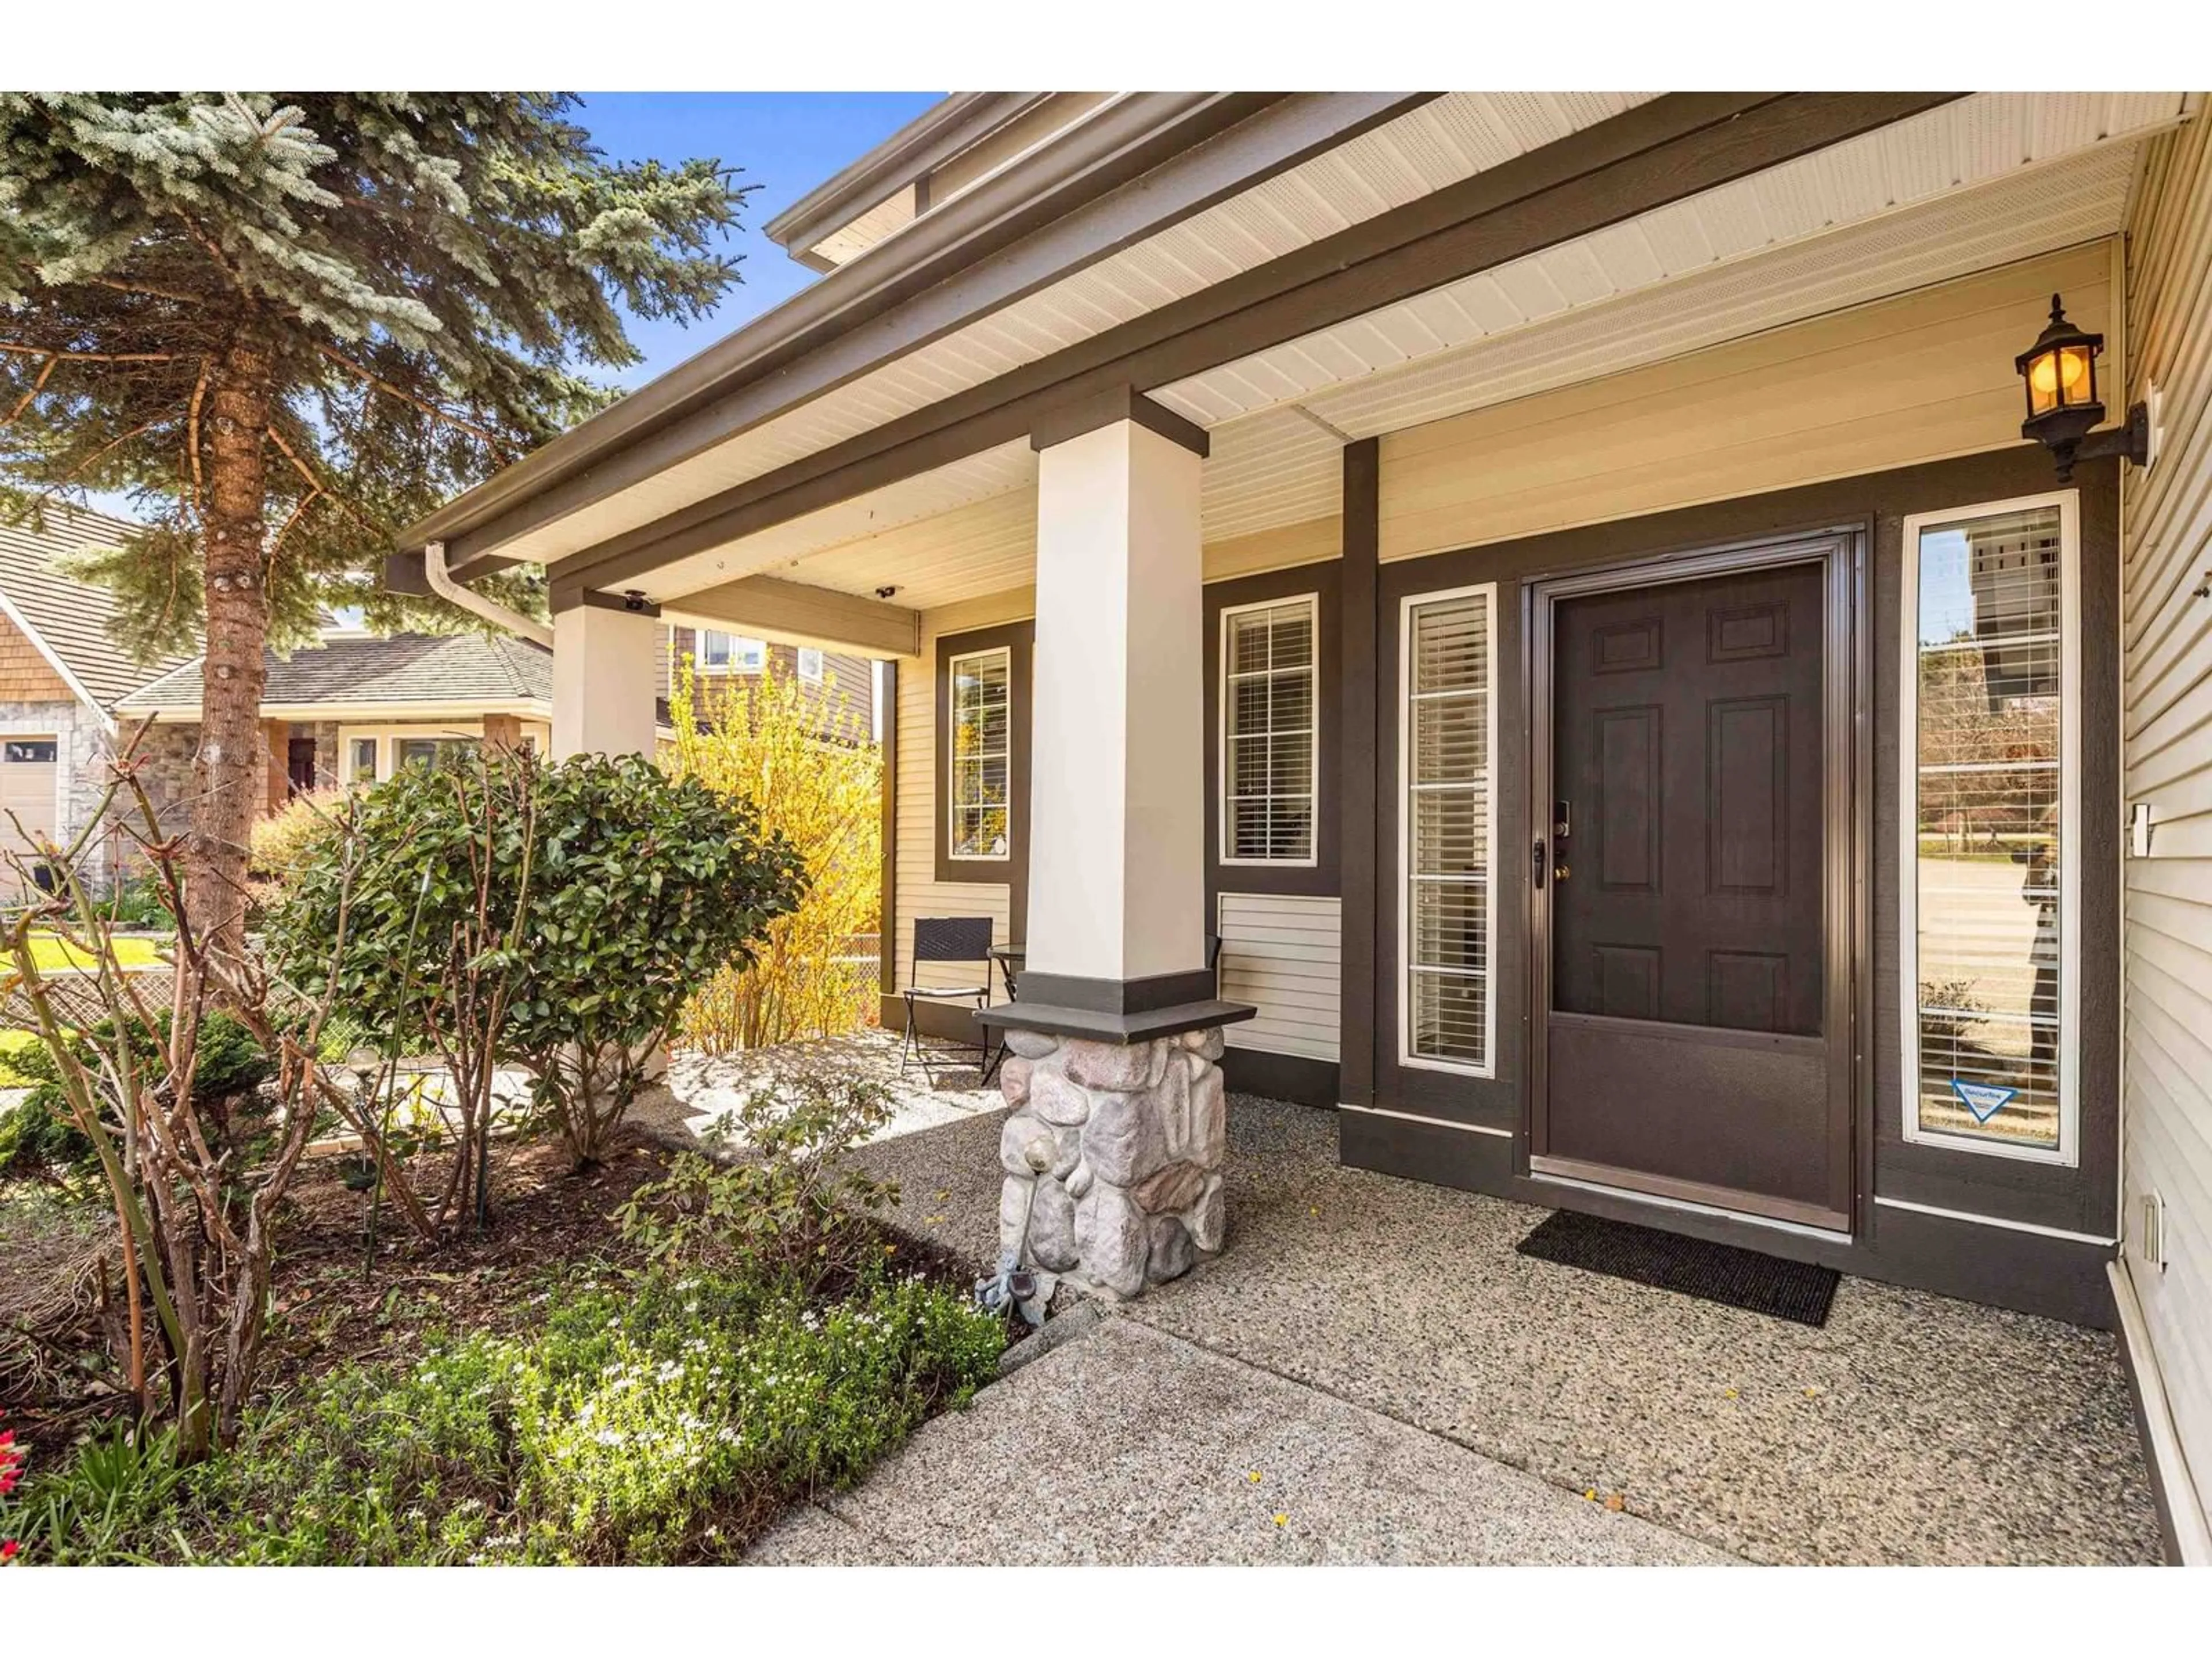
<point>1268,731</point>
<point>978,787</point>
<point>1447,733</point>
<point>1990,807</point>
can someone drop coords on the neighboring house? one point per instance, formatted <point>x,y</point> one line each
<point>61,678</point>
<point>1545,579</point>
<point>839,686</point>
<point>358,706</point>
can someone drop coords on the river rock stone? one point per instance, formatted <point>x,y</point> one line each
<point>1031,1045</point>
<point>1027,1147</point>
<point>1206,1041</point>
<point>1170,1103</point>
<point>1209,1119</point>
<point>1112,1242</point>
<point>1174,1188</point>
<point>1207,1218</point>
<point>1056,1100</point>
<point>1170,1256</point>
<point>1123,1141</point>
<point>1052,1228</point>
<point>1014,1079</point>
<point>1121,1067</point>
<point>1013,1213</point>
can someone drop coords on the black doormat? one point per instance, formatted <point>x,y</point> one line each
<point>1736,1278</point>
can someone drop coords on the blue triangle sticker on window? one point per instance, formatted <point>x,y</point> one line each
<point>1984,1100</point>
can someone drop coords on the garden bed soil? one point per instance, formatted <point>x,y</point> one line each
<point>327,1311</point>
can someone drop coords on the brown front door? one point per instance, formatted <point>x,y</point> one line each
<point>300,765</point>
<point>1691,1004</point>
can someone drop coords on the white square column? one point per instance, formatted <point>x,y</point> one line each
<point>604,670</point>
<point>1117,797</point>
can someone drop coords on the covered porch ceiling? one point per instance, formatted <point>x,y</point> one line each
<point>1968,184</point>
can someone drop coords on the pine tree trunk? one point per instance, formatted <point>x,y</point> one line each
<point>227,783</point>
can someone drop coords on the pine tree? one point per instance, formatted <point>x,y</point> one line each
<point>290,325</point>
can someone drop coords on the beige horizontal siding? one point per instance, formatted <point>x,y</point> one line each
<point>2167,721</point>
<point>1918,378</point>
<point>1279,953</point>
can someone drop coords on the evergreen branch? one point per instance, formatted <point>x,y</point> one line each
<point>89,356</point>
<point>427,407</point>
<point>45,372</point>
<point>192,441</point>
<point>146,289</point>
<point>96,457</point>
<point>298,507</point>
<point>315,487</point>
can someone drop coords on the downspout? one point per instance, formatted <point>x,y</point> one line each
<point>443,585</point>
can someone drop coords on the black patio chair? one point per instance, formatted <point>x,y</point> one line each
<point>947,938</point>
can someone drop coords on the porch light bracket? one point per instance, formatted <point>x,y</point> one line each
<point>2059,373</point>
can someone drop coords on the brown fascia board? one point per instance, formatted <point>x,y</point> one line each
<point>931,139</point>
<point>1676,146</point>
<point>1132,169</point>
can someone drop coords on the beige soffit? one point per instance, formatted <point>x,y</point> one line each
<point>1281,466</point>
<point>1415,154</point>
<point>1978,141</point>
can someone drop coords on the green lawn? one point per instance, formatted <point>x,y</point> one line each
<point>11,1044</point>
<point>50,951</point>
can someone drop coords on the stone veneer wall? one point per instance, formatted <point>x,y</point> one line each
<point>1113,1156</point>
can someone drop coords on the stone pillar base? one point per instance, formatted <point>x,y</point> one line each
<point>1113,1156</point>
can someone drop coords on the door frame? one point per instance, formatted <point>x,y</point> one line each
<point>1847,725</point>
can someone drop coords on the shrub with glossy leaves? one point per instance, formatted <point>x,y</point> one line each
<point>593,896</point>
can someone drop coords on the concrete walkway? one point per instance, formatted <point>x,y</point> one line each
<point>1130,1447</point>
<point>1414,1389</point>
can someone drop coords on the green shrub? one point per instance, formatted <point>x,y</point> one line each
<point>572,905</point>
<point>792,1204</point>
<point>40,1137</point>
<point>659,1418</point>
<point>138,902</point>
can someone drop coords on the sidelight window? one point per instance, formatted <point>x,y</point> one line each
<point>1447,736</point>
<point>1990,712</point>
<point>980,788</point>
<point>1268,731</point>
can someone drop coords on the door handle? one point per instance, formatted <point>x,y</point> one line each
<point>1539,861</point>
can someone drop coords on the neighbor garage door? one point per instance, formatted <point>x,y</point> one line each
<point>27,798</point>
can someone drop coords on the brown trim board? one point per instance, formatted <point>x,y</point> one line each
<point>1359,832</point>
<point>1018,640</point>
<point>1474,1129</point>
<point>1319,880</point>
<point>1675,146</point>
<point>1126,172</point>
<point>932,137</point>
<point>887,904</point>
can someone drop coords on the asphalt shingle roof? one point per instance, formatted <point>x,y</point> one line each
<point>404,668</point>
<point>71,616</point>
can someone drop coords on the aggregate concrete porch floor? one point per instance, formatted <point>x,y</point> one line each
<point>1350,1310</point>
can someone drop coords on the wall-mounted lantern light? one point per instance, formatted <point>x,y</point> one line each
<point>2060,373</point>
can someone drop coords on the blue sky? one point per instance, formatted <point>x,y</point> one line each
<point>786,142</point>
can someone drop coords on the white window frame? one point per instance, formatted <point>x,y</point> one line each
<point>2068,1151</point>
<point>813,666</point>
<point>387,739</point>
<point>1487,592</point>
<point>747,655</point>
<point>1225,792</point>
<point>952,853</point>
